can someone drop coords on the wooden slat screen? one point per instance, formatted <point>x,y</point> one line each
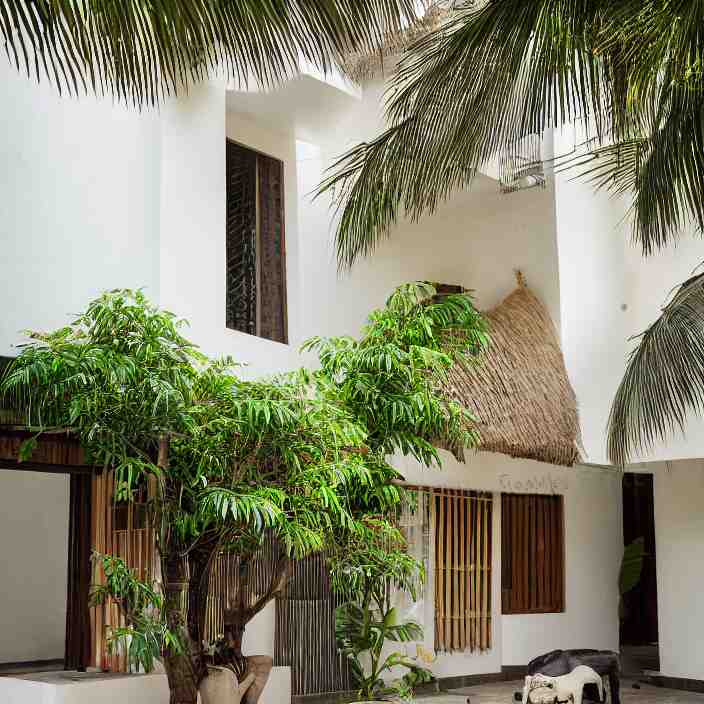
<point>532,554</point>
<point>462,521</point>
<point>272,250</point>
<point>305,631</point>
<point>233,586</point>
<point>123,530</point>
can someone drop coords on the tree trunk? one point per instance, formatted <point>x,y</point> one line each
<point>182,682</point>
<point>185,667</point>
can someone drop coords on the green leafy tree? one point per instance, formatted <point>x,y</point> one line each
<point>232,462</point>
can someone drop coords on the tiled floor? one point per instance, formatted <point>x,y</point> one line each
<point>502,693</point>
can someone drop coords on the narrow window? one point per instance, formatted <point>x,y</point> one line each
<point>255,244</point>
<point>532,554</point>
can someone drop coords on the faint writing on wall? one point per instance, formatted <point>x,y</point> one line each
<point>543,484</point>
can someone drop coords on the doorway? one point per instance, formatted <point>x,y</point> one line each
<point>33,547</point>
<point>639,606</point>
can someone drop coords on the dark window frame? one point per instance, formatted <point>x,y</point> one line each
<point>266,212</point>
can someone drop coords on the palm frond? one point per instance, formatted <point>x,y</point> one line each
<point>664,379</point>
<point>480,82</point>
<point>141,50</point>
<point>491,77</point>
<point>661,171</point>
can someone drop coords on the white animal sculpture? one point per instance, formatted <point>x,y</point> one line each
<point>542,689</point>
<point>221,686</point>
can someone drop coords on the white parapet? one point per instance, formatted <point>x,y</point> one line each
<point>99,688</point>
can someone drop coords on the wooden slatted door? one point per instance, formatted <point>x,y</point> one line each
<point>462,521</point>
<point>532,554</point>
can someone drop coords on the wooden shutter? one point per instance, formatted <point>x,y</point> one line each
<point>532,554</point>
<point>272,250</point>
<point>462,522</point>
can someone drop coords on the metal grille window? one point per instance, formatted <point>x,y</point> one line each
<point>255,244</point>
<point>532,554</point>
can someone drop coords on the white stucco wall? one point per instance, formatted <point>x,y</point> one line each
<point>593,550</point>
<point>679,527</point>
<point>650,281</point>
<point>591,238</point>
<point>34,556</point>
<point>476,239</point>
<point>78,203</point>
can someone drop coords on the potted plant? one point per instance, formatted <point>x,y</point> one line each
<point>368,571</point>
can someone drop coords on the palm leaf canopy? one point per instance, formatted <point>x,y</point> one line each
<point>496,73</point>
<point>664,379</point>
<point>141,50</point>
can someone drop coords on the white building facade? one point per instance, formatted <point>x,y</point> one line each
<point>95,196</point>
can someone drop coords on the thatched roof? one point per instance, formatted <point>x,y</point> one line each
<point>519,390</point>
<point>362,66</point>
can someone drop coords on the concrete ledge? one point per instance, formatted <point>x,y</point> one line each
<point>100,688</point>
<point>682,683</point>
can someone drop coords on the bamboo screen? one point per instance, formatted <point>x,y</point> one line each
<point>305,631</point>
<point>532,554</point>
<point>462,522</point>
<point>234,586</point>
<point>123,530</point>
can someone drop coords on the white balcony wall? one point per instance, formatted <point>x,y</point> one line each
<point>650,281</point>
<point>79,203</point>
<point>590,240</point>
<point>476,239</point>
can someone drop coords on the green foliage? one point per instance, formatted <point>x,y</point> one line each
<point>366,571</point>
<point>141,50</point>
<point>147,634</point>
<point>502,70</point>
<point>300,455</point>
<point>117,377</point>
<point>631,566</point>
<point>391,377</point>
<point>630,573</point>
<point>664,379</point>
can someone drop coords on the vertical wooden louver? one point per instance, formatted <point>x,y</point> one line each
<point>122,530</point>
<point>532,554</point>
<point>462,521</point>
<point>272,250</point>
<point>305,631</point>
<point>255,244</point>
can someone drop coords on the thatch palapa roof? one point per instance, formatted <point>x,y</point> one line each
<point>518,390</point>
<point>364,65</point>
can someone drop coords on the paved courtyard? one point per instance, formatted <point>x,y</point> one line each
<point>502,693</point>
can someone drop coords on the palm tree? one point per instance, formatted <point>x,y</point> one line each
<point>142,50</point>
<point>500,71</point>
